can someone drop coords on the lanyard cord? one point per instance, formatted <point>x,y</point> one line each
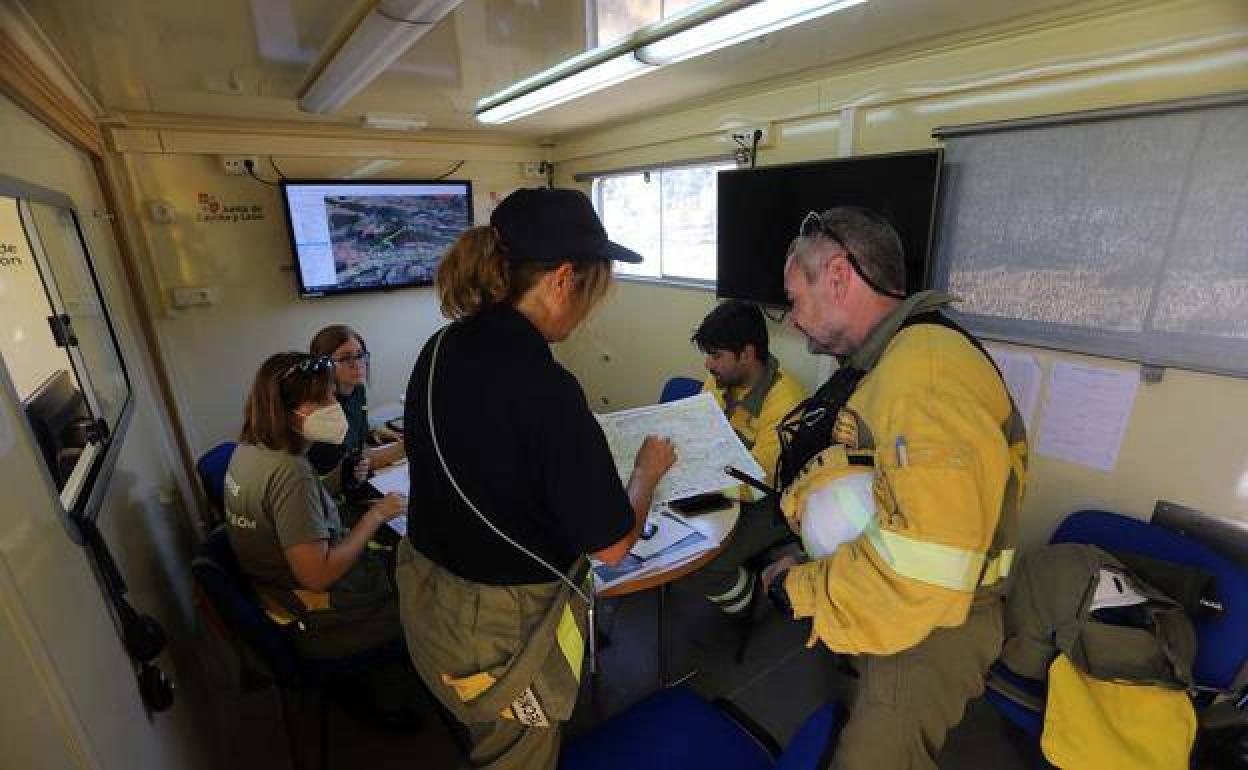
<point>433,436</point>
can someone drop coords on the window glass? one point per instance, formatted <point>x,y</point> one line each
<point>688,228</point>
<point>57,345</point>
<point>629,206</point>
<point>615,19</point>
<point>80,299</point>
<point>667,215</point>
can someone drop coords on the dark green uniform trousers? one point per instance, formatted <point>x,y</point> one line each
<point>908,702</point>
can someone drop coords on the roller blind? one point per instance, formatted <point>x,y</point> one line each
<point>1117,233</point>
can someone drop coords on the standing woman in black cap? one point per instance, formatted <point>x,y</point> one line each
<point>512,483</point>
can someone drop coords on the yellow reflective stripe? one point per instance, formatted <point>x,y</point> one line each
<point>571,642</point>
<point>943,565</point>
<point>957,569</point>
<point>998,567</point>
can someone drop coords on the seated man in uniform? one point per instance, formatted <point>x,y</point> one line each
<point>755,394</point>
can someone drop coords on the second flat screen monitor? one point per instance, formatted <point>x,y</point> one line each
<point>760,211</point>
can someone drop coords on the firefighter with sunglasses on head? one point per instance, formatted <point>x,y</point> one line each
<point>308,569</point>
<point>904,475</point>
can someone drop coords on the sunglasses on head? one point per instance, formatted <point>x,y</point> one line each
<point>813,224</point>
<point>309,365</point>
<point>352,358</point>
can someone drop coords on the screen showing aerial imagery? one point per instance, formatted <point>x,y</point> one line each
<point>351,236</point>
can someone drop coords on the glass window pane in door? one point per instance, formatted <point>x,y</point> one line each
<point>80,300</point>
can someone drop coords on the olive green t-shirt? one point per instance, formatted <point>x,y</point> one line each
<point>275,500</point>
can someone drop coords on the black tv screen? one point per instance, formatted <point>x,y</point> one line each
<point>760,211</point>
<point>361,236</point>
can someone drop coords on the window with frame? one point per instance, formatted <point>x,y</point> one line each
<point>1119,233</point>
<point>611,20</point>
<point>57,342</point>
<point>668,215</point>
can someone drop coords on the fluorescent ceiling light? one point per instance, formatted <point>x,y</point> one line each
<point>381,36</point>
<point>749,22</point>
<point>390,121</point>
<point>607,73</point>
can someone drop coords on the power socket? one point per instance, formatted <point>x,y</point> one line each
<point>236,165</point>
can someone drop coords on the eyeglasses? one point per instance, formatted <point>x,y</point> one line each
<point>309,365</point>
<point>352,358</point>
<point>813,223</point>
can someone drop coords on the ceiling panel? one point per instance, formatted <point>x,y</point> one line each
<point>249,58</point>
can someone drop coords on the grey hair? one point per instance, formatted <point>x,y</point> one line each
<point>867,235</point>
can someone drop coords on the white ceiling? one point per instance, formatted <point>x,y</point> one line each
<point>249,58</point>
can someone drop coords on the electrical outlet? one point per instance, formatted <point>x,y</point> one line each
<point>745,134</point>
<point>236,165</point>
<point>533,169</point>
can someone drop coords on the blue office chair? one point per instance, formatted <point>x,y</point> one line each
<point>679,387</point>
<point>235,610</point>
<point>674,729</point>
<point>211,467</point>
<point>1222,637</point>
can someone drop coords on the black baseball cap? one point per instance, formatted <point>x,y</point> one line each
<point>543,224</point>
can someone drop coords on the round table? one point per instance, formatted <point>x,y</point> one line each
<point>718,526</point>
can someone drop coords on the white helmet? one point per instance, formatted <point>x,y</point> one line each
<point>837,512</point>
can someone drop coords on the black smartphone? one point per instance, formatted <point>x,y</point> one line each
<point>691,506</point>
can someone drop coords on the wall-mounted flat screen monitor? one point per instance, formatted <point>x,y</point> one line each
<point>761,210</point>
<point>362,236</point>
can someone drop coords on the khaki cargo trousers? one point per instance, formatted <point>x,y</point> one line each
<point>908,702</point>
<point>467,642</point>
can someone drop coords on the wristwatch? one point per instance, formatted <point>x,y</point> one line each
<point>778,595</point>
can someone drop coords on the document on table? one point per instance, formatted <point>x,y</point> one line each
<point>701,435</point>
<point>1086,413</point>
<point>675,543</point>
<point>1023,376</point>
<point>667,531</point>
<point>393,478</point>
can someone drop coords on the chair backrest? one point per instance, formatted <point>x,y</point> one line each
<point>815,741</point>
<point>212,466</point>
<point>221,579</point>
<point>678,388</point>
<point>1223,637</point>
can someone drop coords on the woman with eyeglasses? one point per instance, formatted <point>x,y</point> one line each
<point>284,527</point>
<point>347,349</point>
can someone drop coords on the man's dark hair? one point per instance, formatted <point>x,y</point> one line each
<point>731,326</point>
<point>865,234</point>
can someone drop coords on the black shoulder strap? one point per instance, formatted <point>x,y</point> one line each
<point>807,429</point>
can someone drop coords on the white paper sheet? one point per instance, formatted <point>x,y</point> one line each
<point>392,478</point>
<point>711,529</point>
<point>701,435</point>
<point>1086,414</point>
<point>667,530</point>
<point>1023,376</point>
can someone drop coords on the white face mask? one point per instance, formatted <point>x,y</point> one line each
<point>328,424</point>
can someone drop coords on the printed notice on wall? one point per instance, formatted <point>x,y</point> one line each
<point>1086,414</point>
<point>1022,376</point>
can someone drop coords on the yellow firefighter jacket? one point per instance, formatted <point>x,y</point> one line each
<point>756,413</point>
<point>949,452</point>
